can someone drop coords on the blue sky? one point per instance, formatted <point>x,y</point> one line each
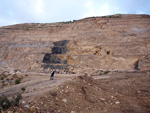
<point>48,11</point>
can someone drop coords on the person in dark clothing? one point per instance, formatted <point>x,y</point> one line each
<point>52,75</point>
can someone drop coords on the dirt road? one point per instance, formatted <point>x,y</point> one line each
<point>35,84</point>
<point>115,93</point>
<point>38,83</point>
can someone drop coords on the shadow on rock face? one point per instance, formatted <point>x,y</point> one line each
<point>144,62</point>
<point>136,65</point>
<point>61,67</point>
<point>53,59</point>
<point>61,43</point>
<point>46,58</point>
<point>59,50</point>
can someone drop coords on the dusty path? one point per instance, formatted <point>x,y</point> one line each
<point>39,83</point>
<point>35,84</point>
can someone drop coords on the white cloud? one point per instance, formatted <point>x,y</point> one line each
<point>139,12</point>
<point>89,4</point>
<point>38,10</point>
<point>96,11</point>
<point>104,10</point>
<point>46,11</point>
<point>39,7</point>
<point>4,21</point>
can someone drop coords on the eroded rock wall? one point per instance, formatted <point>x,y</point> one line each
<point>117,42</point>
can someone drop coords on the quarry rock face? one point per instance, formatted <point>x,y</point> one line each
<point>116,42</point>
<point>144,63</point>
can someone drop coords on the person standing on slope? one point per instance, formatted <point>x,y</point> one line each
<point>52,75</point>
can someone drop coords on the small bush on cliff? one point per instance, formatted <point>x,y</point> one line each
<point>5,103</point>
<point>106,72</point>
<point>17,81</point>
<point>2,78</point>
<point>23,89</point>
<point>15,100</point>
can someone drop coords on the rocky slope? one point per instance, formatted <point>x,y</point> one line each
<point>126,93</point>
<point>116,42</point>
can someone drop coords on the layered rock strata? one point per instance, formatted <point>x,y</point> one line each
<point>116,42</point>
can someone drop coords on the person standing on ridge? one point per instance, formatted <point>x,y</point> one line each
<point>52,75</point>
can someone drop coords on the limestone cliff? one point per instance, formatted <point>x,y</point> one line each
<point>116,42</point>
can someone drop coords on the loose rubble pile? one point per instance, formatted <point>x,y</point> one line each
<point>84,94</point>
<point>8,78</point>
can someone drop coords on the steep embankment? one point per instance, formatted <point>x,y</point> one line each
<point>118,42</point>
<point>127,93</point>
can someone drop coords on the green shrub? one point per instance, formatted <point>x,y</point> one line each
<point>15,100</point>
<point>5,103</point>
<point>17,81</point>
<point>2,78</point>
<point>106,72</point>
<point>23,89</point>
<point>3,81</point>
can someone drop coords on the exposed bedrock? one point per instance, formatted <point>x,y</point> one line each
<point>116,42</point>
<point>57,59</point>
<point>144,62</point>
